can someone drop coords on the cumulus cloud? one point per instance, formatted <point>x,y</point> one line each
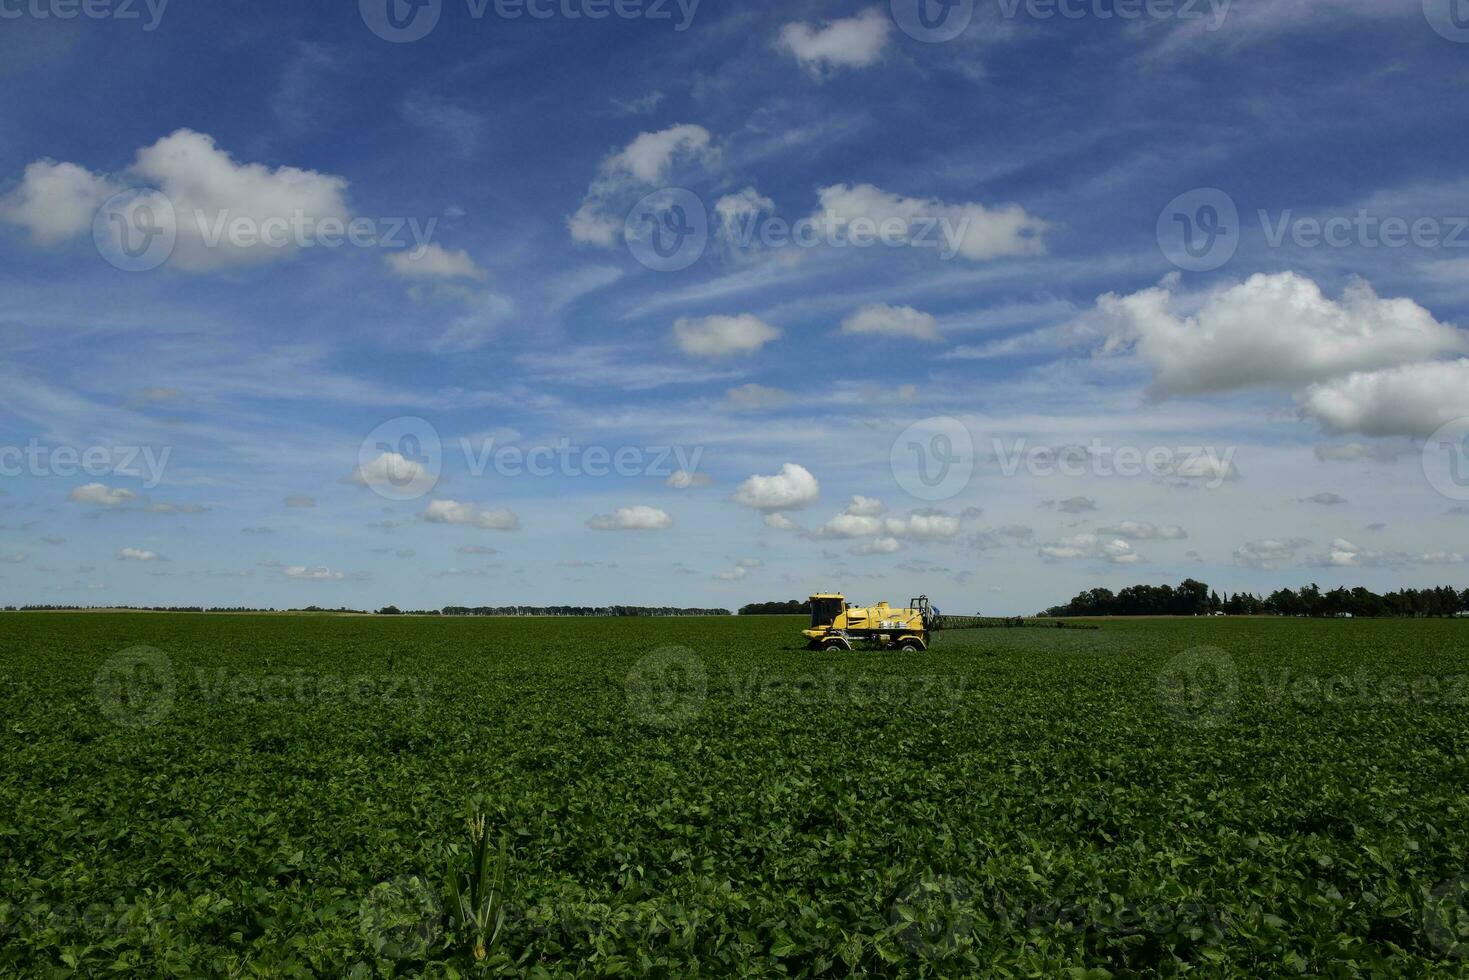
<point>454,512</point>
<point>433,261</point>
<point>1345,554</point>
<point>1090,547</point>
<point>850,42</point>
<point>56,201</point>
<point>1271,330</point>
<point>1411,400</point>
<point>878,546</point>
<point>101,495</point>
<point>1269,553</point>
<point>893,321</point>
<point>973,231</point>
<point>137,554</point>
<point>636,518</point>
<point>863,518</point>
<point>1144,531</point>
<point>306,573</point>
<point>736,211</point>
<point>722,336</point>
<point>792,488</point>
<point>643,163</point>
<point>394,473</point>
<point>686,480</point>
<point>781,522</point>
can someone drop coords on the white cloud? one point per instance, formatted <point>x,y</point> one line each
<point>1091,547</point>
<point>636,518</point>
<point>102,496</point>
<point>315,573</point>
<point>849,525</point>
<point>56,201</point>
<point>686,480</point>
<point>224,213</point>
<point>971,230</point>
<point>206,186</point>
<point>737,210</point>
<point>865,505</point>
<point>394,473</point>
<point>137,554</point>
<point>1272,330</point>
<point>723,336</point>
<point>893,321</point>
<point>1412,400</point>
<point>753,397</point>
<point>1144,531</point>
<point>878,546</point>
<point>851,42</point>
<point>1269,553</point>
<point>792,488</point>
<point>454,512</point>
<point>644,162</point>
<point>780,522</point>
<point>433,261</point>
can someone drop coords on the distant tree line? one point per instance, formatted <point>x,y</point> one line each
<point>791,607</point>
<point>1194,598</point>
<point>395,611</point>
<point>579,611</point>
<point>191,609</point>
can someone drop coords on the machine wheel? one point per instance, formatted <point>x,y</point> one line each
<point>834,646</point>
<point>909,647</point>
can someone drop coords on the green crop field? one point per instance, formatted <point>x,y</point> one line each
<point>189,795</point>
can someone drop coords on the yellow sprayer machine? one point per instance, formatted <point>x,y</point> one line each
<point>838,626</point>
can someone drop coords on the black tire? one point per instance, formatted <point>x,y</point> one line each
<point>833,646</point>
<point>908,648</point>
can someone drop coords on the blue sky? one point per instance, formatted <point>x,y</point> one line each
<point>919,269</point>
